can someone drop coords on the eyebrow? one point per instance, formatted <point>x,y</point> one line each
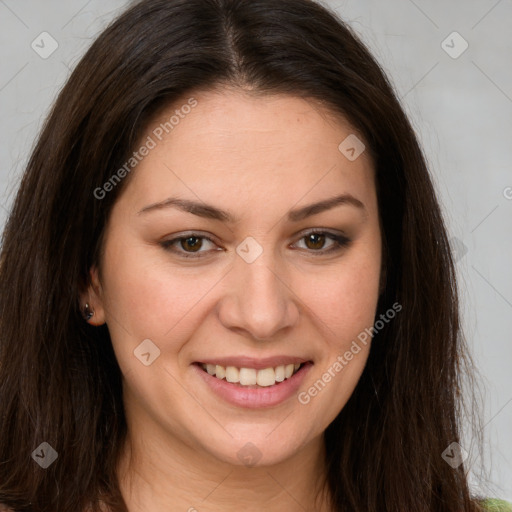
<point>211,212</point>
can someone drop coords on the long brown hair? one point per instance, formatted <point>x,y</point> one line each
<point>60,380</point>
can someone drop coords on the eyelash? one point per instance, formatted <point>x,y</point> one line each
<point>340,242</point>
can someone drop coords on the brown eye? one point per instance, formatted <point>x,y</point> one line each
<point>193,243</point>
<point>188,246</point>
<point>315,240</point>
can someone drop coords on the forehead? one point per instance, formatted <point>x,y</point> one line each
<point>240,148</point>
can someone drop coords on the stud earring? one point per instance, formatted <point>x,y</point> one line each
<point>88,313</point>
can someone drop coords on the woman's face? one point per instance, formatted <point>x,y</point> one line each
<point>209,259</point>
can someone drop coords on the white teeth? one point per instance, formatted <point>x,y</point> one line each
<point>220,371</point>
<point>250,376</point>
<point>266,377</point>
<point>280,373</point>
<point>232,374</point>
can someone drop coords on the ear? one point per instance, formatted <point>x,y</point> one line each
<point>93,295</point>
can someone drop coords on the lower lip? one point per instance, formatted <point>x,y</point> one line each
<point>254,398</point>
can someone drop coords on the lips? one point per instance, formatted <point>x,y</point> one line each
<point>251,362</point>
<point>267,390</point>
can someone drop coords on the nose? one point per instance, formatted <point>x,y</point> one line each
<point>258,300</point>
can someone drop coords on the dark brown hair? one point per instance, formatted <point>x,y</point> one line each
<point>60,379</point>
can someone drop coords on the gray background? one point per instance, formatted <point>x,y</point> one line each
<point>461,108</point>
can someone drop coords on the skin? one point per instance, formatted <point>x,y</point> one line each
<point>258,158</point>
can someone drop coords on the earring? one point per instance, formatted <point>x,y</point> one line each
<point>88,313</point>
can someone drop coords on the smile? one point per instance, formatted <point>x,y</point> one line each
<point>251,376</point>
<point>253,383</point>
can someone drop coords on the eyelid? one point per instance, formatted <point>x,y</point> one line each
<point>340,242</point>
<point>166,244</point>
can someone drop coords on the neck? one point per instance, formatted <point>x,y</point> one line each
<point>158,472</point>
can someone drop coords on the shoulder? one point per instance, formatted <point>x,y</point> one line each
<point>495,505</point>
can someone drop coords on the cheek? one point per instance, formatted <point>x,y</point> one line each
<point>343,299</point>
<point>344,310</point>
<point>149,295</point>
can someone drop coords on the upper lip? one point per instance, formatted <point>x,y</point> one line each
<point>250,362</point>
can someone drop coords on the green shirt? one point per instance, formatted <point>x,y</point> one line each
<point>494,505</point>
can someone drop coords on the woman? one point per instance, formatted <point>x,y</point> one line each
<point>226,279</point>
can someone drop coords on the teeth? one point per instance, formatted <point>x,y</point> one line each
<point>250,376</point>
<point>232,374</point>
<point>266,377</point>
<point>220,371</point>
